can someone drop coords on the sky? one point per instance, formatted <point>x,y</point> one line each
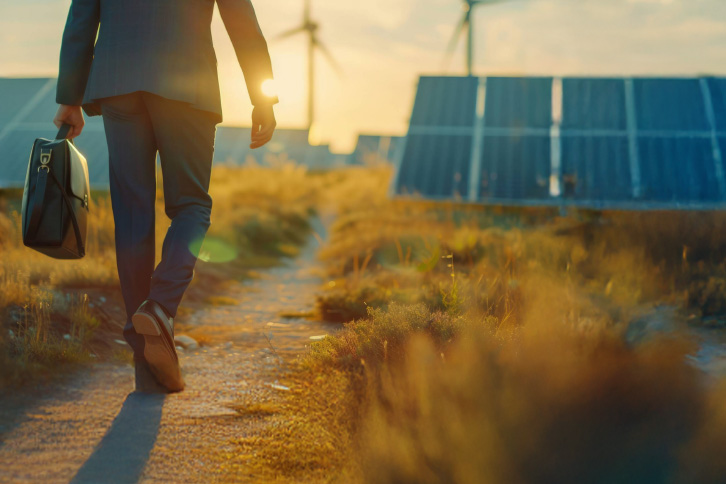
<point>383,46</point>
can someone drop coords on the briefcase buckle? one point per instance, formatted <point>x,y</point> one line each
<point>45,156</point>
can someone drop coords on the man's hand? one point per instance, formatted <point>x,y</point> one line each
<point>263,125</point>
<point>70,115</point>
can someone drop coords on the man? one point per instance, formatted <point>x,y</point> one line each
<point>149,68</point>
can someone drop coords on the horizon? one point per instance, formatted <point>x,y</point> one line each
<point>520,37</point>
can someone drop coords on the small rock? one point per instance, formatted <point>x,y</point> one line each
<point>277,386</point>
<point>186,342</point>
<point>180,348</point>
<point>67,337</point>
<point>102,299</point>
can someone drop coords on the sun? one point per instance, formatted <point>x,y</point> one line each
<point>269,88</point>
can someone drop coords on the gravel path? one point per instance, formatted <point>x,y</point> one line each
<point>89,428</point>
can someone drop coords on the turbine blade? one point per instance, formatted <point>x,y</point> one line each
<point>326,53</point>
<point>460,27</point>
<point>289,33</point>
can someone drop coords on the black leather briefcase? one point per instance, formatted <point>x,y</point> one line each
<point>55,199</point>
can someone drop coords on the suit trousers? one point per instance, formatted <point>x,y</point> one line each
<point>138,125</point>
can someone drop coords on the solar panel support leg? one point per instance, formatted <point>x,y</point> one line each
<point>477,142</point>
<point>632,124</point>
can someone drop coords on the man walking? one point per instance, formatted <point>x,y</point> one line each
<point>149,68</point>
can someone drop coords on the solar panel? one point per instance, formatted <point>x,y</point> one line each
<point>593,104</point>
<point>232,147</point>
<point>717,90</point>
<point>515,167</point>
<point>16,93</point>
<point>600,142</point>
<point>445,101</point>
<point>669,105</point>
<point>595,163</point>
<point>667,178</point>
<point>596,168</point>
<point>374,148</point>
<point>444,166</point>
<point>515,149</point>
<point>28,110</point>
<point>438,150</point>
<point>518,102</point>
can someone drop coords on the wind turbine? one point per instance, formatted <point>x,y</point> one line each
<point>310,27</point>
<point>467,24</point>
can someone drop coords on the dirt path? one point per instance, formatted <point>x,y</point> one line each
<point>89,428</point>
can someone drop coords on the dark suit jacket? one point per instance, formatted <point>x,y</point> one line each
<point>160,46</point>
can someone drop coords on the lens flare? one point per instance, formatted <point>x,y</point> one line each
<point>269,88</point>
<point>213,250</point>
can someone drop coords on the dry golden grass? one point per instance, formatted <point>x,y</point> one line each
<point>305,437</point>
<point>488,347</point>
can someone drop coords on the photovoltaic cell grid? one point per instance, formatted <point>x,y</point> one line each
<point>641,142</point>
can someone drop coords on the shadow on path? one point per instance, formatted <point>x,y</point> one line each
<point>124,450</point>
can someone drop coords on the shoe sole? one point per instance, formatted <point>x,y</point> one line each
<point>158,355</point>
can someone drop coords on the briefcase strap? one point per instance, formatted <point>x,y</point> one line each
<point>39,199</point>
<point>63,132</point>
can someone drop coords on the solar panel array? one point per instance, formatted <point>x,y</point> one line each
<point>641,142</point>
<point>232,147</point>
<point>27,107</point>
<point>373,148</point>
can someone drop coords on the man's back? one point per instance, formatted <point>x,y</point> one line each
<point>161,46</point>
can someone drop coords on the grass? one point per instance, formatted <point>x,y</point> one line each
<point>488,345</point>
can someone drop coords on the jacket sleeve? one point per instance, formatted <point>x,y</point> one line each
<point>76,56</point>
<point>250,46</point>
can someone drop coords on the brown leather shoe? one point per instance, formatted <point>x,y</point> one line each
<point>157,328</point>
<point>145,380</point>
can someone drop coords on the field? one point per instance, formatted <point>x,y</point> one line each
<point>476,344</point>
<point>56,312</point>
<point>495,345</point>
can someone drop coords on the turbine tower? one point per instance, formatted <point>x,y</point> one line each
<point>466,24</point>
<point>310,27</point>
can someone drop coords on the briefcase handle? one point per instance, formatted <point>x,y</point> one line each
<point>63,132</point>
